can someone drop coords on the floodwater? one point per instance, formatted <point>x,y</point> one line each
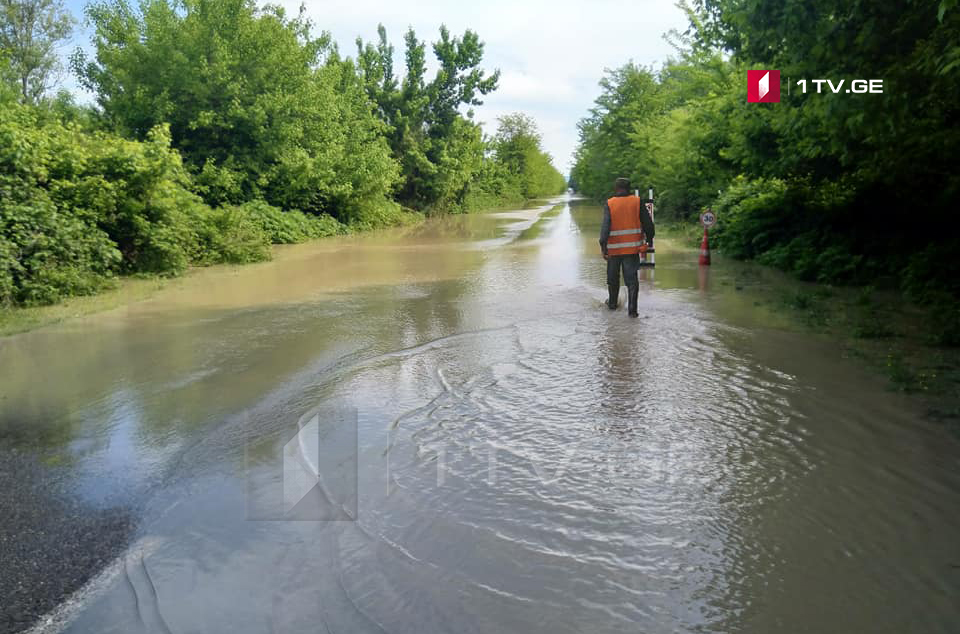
<point>495,450</point>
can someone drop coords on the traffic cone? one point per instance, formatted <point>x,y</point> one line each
<point>705,250</point>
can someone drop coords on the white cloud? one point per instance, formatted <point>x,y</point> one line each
<point>522,87</point>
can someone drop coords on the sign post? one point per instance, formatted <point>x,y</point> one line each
<point>648,258</point>
<point>707,219</point>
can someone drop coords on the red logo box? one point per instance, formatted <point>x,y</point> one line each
<point>763,86</point>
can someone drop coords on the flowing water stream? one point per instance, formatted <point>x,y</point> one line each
<point>497,452</point>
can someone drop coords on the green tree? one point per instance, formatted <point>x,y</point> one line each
<point>517,146</point>
<point>258,106</point>
<point>629,97</point>
<point>439,149</point>
<point>30,31</point>
<point>899,136</point>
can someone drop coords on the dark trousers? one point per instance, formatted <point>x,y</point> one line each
<point>629,264</point>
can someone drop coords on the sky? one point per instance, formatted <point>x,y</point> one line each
<point>551,54</point>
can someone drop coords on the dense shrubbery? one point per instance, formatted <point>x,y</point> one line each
<point>231,235</point>
<point>46,252</point>
<point>78,207</point>
<point>751,212</point>
<point>492,186</point>
<point>787,226</point>
<point>288,227</point>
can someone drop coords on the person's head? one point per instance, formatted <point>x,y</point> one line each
<point>621,186</point>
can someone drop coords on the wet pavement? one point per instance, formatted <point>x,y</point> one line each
<point>441,428</point>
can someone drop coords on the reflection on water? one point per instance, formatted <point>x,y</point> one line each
<point>529,461</point>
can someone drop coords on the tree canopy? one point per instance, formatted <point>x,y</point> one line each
<point>518,147</point>
<point>30,31</point>
<point>438,147</point>
<point>258,106</point>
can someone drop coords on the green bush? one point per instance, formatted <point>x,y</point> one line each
<point>751,213</point>
<point>138,193</point>
<point>797,256</point>
<point>232,235</point>
<point>494,185</point>
<point>790,225</point>
<point>932,272</point>
<point>368,215</point>
<point>135,193</point>
<point>46,254</point>
<point>291,226</point>
<point>47,251</point>
<point>837,264</point>
<point>77,207</point>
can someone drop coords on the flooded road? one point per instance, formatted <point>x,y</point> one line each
<point>495,451</point>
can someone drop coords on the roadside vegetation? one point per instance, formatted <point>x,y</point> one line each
<point>893,337</point>
<point>840,189</point>
<point>221,127</point>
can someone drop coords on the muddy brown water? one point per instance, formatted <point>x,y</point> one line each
<point>496,451</point>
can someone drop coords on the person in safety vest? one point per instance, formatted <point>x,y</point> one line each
<point>626,231</point>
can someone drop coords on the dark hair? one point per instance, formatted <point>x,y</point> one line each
<point>621,185</point>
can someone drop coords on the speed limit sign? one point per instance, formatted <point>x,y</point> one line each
<point>708,219</point>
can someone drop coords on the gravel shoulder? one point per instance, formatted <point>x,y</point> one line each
<point>50,543</point>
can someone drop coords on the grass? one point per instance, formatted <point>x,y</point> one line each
<point>810,305</point>
<point>886,331</point>
<point>126,291</point>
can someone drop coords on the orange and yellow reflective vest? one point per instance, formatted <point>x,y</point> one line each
<point>626,231</point>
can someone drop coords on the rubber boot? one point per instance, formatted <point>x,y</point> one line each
<point>632,293</point>
<point>614,296</point>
